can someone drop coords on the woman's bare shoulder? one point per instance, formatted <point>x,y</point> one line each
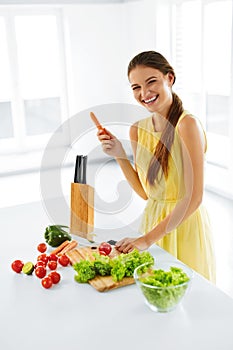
<point>133,131</point>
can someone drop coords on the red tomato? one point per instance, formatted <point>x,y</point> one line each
<point>63,260</point>
<point>55,276</point>
<point>17,266</point>
<point>105,248</point>
<point>47,282</point>
<point>40,263</point>
<point>40,271</point>
<point>53,257</point>
<point>52,265</point>
<point>101,252</point>
<point>43,257</point>
<point>42,247</point>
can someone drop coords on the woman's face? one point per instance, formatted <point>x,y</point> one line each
<point>152,89</point>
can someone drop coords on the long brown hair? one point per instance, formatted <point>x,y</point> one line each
<point>161,156</point>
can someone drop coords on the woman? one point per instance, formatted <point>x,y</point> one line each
<point>168,149</point>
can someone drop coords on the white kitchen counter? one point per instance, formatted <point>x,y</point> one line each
<point>77,317</point>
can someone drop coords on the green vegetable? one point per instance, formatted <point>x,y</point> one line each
<point>85,271</point>
<point>55,235</point>
<point>171,287</point>
<point>119,267</point>
<point>102,264</point>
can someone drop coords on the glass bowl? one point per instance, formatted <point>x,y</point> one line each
<point>164,284</point>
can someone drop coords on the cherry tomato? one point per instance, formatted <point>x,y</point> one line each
<point>52,265</point>
<point>55,276</point>
<point>40,263</point>
<point>43,257</point>
<point>63,260</point>
<point>42,247</point>
<point>40,271</point>
<point>17,266</point>
<point>47,282</point>
<point>53,257</point>
<point>101,252</point>
<point>105,247</point>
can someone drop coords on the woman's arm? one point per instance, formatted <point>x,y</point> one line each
<point>193,147</point>
<point>113,147</point>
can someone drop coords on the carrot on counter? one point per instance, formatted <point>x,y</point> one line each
<point>68,247</point>
<point>60,247</point>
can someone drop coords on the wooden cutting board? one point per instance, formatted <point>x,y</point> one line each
<point>100,283</point>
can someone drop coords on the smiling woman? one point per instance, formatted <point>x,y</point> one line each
<point>168,148</point>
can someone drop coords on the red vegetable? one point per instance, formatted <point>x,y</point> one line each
<point>42,247</point>
<point>52,265</point>
<point>17,266</point>
<point>44,258</point>
<point>53,257</point>
<point>105,248</point>
<point>40,271</point>
<point>63,260</point>
<point>47,282</point>
<point>55,276</point>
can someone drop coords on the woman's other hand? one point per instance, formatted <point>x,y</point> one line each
<point>110,144</point>
<point>127,245</point>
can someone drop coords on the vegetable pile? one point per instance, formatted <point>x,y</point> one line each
<point>118,267</point>
<point>47,263</point>
<point>171,286</point>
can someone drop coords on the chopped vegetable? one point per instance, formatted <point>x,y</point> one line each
<point>85,271</point>
<point>28,268</point>
<point>165,297</point>
<point>119,267</point>
<point>102,264</point>
<point>55,235</point>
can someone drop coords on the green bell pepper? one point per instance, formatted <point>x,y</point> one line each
<point>55,235</point>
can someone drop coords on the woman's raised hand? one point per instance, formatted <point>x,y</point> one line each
<point>110,144</point>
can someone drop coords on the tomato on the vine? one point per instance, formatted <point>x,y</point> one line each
<point>55,276</point>
<point>47,282</point>
<point>105,248</point>
<point>42,247</point>
<point>17,266</point>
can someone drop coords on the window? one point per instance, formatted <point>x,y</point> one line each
<point>33,102</point>
<point>202,45</point>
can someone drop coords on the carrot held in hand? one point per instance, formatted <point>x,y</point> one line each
<point>98,125</point>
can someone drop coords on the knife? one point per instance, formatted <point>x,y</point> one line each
<point>84,170</point>
<point>77,169</point>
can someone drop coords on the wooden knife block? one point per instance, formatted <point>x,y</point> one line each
<point>82,210</point>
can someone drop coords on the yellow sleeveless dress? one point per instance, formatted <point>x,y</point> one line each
<point>191,242</point>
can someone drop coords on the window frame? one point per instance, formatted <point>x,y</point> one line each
<point>21,142</point>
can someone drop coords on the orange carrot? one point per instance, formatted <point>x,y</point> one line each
<point>60,247</point>
<point>97,123</point>
<point>68,247</point>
